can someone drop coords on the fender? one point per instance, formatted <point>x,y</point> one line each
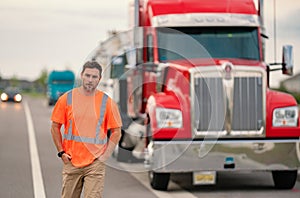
<point>275,100</point>
<point>169,101</point>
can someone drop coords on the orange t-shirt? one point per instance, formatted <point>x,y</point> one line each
<point>84,113</point>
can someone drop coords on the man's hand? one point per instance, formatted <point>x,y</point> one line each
<point>66,158</point>
<point>113,141</point>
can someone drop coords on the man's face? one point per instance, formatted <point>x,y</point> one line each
<point>90,79</point>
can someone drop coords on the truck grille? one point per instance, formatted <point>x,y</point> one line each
<point>228,104</point>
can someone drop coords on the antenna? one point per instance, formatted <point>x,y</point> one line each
<point>275,36</point>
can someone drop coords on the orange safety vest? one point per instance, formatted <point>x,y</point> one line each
<point>84,150</point>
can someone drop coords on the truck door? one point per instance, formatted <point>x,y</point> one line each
<point>144,79</point>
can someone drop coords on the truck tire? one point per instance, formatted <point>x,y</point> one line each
<point>159,181</point>
<point>124,154</point>
<point>284,179</point>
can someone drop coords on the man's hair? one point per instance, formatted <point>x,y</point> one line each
<point>92,64</point>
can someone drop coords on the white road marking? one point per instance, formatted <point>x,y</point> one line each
<point>38,184</point>
<point>175,190</point>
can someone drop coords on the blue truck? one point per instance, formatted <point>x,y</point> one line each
<point>58,83</point>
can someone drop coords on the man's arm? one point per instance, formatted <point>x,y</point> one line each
<point>113,141</point>
<point>57,139</point>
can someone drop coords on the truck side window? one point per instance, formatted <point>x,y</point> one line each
<point>117,66</point>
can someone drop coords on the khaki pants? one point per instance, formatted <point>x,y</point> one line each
<point>89,178</point>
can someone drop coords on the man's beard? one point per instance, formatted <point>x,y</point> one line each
<point>89,87</point>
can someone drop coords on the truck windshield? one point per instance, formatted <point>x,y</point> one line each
<point>207,42</point>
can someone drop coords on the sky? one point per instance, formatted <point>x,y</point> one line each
<point>60,34</point>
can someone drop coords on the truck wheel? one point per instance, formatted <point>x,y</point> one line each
<point>124,154</point>
<point>284,179</point>
<point>159,181</point>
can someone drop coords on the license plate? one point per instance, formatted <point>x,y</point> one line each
<point>204,177</point>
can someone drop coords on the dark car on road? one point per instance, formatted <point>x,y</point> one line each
<point>12,94</point>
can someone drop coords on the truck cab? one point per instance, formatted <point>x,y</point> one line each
<point>192,86</point>
<point>58,83</point>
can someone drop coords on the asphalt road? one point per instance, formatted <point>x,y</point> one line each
<point>29,167</point>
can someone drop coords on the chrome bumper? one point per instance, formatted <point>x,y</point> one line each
<point>223,155</point>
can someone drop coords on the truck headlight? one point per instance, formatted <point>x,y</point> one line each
<point>287,116</point>
<point>168,118</point>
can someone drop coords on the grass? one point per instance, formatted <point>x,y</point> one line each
<point>35,94</point>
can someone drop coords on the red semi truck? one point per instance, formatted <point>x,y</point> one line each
<point>192,83</point>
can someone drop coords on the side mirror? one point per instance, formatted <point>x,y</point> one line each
<point>287,60</point>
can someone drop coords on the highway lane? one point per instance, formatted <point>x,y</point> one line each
<point>122,180</point>
<point>15,171</point>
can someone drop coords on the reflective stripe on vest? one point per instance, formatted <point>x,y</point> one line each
<point>95,140</point>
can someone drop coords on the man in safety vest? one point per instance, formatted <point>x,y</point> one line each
<point>87,114</point>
